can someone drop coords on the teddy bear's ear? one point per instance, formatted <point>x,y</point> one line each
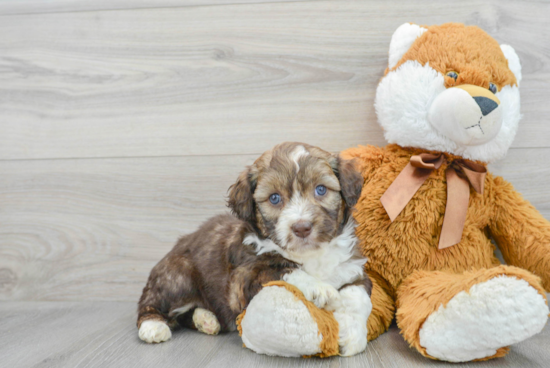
<point>513,61</point>
<point>401,41</point>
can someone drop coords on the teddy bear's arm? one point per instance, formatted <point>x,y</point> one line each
<point>521,232</point>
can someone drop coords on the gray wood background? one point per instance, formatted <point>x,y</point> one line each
<point>122,123</point>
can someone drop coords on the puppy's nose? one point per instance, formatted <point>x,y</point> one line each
<point>302,229</point>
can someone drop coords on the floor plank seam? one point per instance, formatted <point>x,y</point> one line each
<point>161,7</point>
<point>183,156</point>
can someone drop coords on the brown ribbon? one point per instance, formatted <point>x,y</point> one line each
<point>415,174</point>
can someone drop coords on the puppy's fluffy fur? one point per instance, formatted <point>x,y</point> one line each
<point>305,236</point>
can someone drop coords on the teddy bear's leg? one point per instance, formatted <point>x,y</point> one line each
<point>280,321</point>
<point>383,306</point>
<point>470,316</point>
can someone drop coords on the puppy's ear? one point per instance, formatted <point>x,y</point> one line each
<point>241,200</point>
<point>351,180</point>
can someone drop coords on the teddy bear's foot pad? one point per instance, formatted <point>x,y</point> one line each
<point>206,321</point>
<point>475,324</point>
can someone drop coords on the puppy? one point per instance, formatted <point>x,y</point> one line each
<point>292,221</point>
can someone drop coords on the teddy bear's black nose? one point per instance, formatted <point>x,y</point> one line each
<point>485,104</point>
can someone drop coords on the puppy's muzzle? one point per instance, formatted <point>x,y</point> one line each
<point>302,229</point>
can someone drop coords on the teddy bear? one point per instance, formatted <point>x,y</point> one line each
<point>449,104</point>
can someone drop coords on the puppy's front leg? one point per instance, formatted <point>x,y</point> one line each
<point>246,282</point>
<point>314,290</point>
<point>352,312</point>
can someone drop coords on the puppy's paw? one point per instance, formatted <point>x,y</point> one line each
<point>318,292</point>
<point>352,315</point>
<point>356,346</point>
<point>206,321</point>
<point>323,295</point>
<point>152,331</point>
<point>352,334</point>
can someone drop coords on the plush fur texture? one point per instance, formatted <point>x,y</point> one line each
<point>284,309</point>
<point>307,329</point>
<point>474,324</point>
<point>414,308</point>
<point>330,278</point>
<point>383,306</point>
<point>280,320</point>
<point>401,41</point>
<point>477,59</point>
<point>520,231</point>
<point>448,291</point>
<point>396,250</point>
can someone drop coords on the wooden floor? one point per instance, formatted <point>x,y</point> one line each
<point>123,123</point>
<point>103,335</point>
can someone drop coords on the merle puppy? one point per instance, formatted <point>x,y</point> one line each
<point>291,220</point>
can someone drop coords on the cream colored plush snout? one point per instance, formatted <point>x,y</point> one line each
<point>467,114</point>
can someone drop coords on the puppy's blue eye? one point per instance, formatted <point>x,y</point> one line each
<point>492,88</point>
<point>321,190</point>
<point>275,198</point>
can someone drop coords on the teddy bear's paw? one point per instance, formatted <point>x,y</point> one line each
<point>352,314</point>
<point>206,321</point>
<point>475,324</point>
<point>152,331</point>
<point>314,290</point>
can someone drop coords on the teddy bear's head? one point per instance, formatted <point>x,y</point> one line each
<point>450,88</point>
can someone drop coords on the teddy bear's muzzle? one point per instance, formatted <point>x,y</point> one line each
<point>467,114</point>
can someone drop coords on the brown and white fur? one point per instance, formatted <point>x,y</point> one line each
<point>307,239</point>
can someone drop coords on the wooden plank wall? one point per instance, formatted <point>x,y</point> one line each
<point>123,123</point>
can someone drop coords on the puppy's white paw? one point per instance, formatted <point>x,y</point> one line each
<point>206,321</point>
<point>152,331</point>
<point>352,334</point>
<point>352,314</point>
<point>323,294</point>
<point>318,292</point>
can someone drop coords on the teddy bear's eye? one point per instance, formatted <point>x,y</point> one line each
<point>453,75</point>
<point>492,88</point>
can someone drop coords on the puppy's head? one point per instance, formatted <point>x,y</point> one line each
<point>297,195</point>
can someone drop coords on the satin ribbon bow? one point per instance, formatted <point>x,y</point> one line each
<point>415,174</point>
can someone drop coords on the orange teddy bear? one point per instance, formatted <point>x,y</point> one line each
<point>448,104</point>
